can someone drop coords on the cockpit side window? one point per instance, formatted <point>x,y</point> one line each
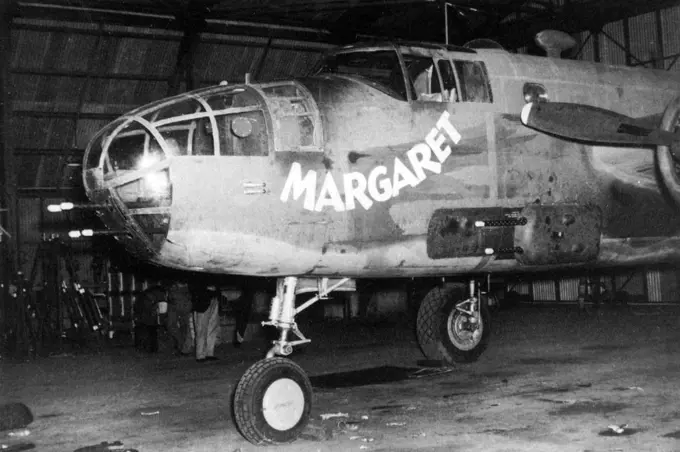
<point>424,78</point>
<point>243,134</point>
<point>448,80</point>
<point>380,68</point>
<point>431,80</point>
<point>203,138</point>
<point>474,81</point>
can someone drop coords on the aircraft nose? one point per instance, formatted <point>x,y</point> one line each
<point>127,168</point>
<point>127,164</point>
<point>134,162</point>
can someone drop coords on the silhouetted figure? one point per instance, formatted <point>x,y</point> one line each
<point>146,318</point>
<point>205,307</point>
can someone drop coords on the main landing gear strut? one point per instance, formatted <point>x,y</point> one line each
<point>453,323</point>
<point>273,399</point>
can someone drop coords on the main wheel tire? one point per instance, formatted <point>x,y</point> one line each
<point>443,332</point>
<point>273,401</point>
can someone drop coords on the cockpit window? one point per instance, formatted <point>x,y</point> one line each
<point>295,118</point>
<point>177,137</point>
<point>424,78</point>
<point>243,134</point>
<point>235,98</point>
<point>203,142</point>
<point>474,81</point>
<point>173,110</point>
<point>379,67</point>
<point>448,79</point>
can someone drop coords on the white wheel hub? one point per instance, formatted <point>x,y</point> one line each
<point>461,333</point>
<point>283,404</point>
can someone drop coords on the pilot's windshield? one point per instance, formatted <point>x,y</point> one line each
<point>380,68</point>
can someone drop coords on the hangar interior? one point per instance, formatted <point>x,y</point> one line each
<point>70,67</point>
<point>557,378</point>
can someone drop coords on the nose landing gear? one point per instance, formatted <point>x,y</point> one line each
<point>273,401</point>
<point>273,398</point>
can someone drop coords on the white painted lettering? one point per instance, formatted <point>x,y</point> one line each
<point>384,184</point>
<point>379,186</point>
<point>435,140</point>
<point>329,195</point>
<point>300,186</point>
<point>445,124</point>
<point>355,189</point>
<point>425,162</point>
<point>403,177</point>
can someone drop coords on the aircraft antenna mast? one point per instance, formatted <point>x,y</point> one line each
<point>446,22</point>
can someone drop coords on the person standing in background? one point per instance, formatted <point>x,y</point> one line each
<point>205,307</point>
<point>242,309</point>
<point>179,322</point>
<point>146,318</point>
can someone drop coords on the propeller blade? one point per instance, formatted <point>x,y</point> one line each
<point>594,125</point>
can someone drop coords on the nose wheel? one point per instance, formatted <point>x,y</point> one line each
<point>273,401</point>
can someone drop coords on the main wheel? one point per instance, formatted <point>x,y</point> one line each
<point>273,401</point>
<point>445,333</point>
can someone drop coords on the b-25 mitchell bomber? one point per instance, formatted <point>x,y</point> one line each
<point>395,159</point>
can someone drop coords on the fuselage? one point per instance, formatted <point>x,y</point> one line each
<point>345,172</point>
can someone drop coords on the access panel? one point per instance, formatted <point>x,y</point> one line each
<point>471,232</point>
<point>559,234</point>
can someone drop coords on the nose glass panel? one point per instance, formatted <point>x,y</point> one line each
<point>132,149</point>
<point>151,190</point>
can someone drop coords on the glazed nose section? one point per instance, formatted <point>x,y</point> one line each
<point>127,167</point>
<point>127,164</point>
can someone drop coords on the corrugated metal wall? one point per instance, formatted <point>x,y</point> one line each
<point>611,50</point>
<point>660,285</point>
<point>544,290</point>
<point>653,40</point>
<point>569,289</point>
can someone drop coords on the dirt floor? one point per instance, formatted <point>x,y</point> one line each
<point>551,380</point>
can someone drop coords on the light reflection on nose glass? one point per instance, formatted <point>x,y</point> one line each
<point>151,190</point>
<point>156,184</point>
<point>148,160</point>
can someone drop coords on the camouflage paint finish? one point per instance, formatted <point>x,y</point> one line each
<point>216,226</point>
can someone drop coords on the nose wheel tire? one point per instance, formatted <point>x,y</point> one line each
<point>447,334</point>
<point>273,401</point>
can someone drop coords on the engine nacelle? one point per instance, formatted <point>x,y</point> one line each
<point>665,155</point>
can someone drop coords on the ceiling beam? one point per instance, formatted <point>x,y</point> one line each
<point>193,23</point>
<point>112,13</point>
<point>70,152</point>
